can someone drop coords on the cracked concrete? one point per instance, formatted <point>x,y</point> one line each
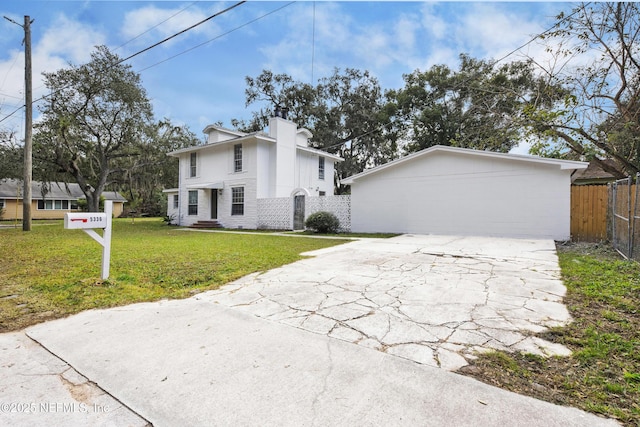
<point>436,300</point>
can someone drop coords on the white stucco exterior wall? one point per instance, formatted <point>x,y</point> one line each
<point>307,174</point>
<point>462,194</point>
<point>285,164</point>
<point>272,166</point>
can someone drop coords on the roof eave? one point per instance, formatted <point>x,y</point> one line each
<point>563,164</point>
<point>320,153</point>
<point>220,143</point>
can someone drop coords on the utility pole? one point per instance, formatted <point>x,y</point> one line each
<point>28,126</point>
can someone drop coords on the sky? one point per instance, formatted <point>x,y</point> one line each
<point>198,77</point>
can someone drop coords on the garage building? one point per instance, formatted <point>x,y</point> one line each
<point>456,191</point>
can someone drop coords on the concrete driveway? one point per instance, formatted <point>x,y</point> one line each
<point>436,300</point>
<point>232,357</point>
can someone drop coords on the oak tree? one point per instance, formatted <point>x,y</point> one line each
<point>94,119</point>
<point>595,56</point>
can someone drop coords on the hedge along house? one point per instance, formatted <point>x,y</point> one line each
<point>48,202</point>
<point>222,181</point>
<point>456,191</point>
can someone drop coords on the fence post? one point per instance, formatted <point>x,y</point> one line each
<point>614,190</point>
<point>632,217</point>
<point>629,182</point>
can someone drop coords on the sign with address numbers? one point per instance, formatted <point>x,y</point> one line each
<point>85,220</point>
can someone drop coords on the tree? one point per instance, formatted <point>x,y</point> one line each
<point>352,122</point>
<point>151,170</point>
<point>477,106</point>
<point>95,119</point>
<point>10,156</point>
<point>345,112</point>
<point>595,57</point>
<point>277,90</point>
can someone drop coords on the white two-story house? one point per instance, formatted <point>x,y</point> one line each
<point>223,179</point>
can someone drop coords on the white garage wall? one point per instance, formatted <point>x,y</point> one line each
<point>464,194</point>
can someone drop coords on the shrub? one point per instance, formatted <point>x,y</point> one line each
<point>323,222</point>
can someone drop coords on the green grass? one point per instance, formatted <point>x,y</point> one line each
<point>603,373</point>
<point>51,272</point>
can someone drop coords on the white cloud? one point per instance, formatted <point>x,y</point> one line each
<point>62,42</point>
<point>67,39</point>
<point>491,30</point>
<point>434,24</point>
<point>152,24</point>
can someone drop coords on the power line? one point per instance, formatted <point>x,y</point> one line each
<point>14,111</point>
<point>313,41</point>
<point>144,50</point>
<point>149,29</point>
<point>157,25</point>
<point>457,86</point>
<point>582,7</point>
<point>182,32</point>
<point>217,37</point>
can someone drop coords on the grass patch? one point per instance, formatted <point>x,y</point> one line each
<point>603,373</point>
<point>51,272</point>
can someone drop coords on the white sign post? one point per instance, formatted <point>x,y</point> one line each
<point>87,221</point>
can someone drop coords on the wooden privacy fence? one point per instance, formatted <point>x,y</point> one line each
<point>589,212</point>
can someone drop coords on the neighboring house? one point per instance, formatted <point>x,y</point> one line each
<point>455,191</point>
<point>223,180</point>
<point>593,174</point>
<point>59,199</point>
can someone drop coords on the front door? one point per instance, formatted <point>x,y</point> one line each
<point>214,204</point>
<point>298,212</point>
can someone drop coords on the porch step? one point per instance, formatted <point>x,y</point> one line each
<point>206,224</point>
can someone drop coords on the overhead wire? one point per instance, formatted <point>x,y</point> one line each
<point>157,25</point>
<point>142,51</point>
<point>457,86</point>
<point>182,32</point>
<point>218,36</point>
<point>148,29</point>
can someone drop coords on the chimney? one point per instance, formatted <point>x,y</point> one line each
<point>281,112</point>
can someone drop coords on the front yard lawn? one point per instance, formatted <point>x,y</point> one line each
<point>603,373</point>
<point>51,272</point>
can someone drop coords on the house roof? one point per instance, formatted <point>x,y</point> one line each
<point>594,173</point>
<point>320,153</point>
<point>258,135</point>
<point>113,196</point>
<point>562,164</point>
<point>12,189</point>
<point>243,137</point>
<point>210,128</point>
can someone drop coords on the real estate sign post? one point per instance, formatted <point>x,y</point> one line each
<point>88,221</point>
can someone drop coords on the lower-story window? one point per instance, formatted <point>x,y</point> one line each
<point>53,205</point>
<point>237,201</point>
<point>193,202</point>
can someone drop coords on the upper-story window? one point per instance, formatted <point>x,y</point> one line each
<point>320,167</point>
<point>193,161</point>
<point>237,158</point>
